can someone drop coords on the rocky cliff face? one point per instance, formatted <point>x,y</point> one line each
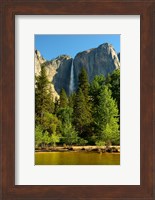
<point>62,77</point>
<point>63,71</point>
<point>50,71</point>
<point>101,60</point>
<point>38,60</point>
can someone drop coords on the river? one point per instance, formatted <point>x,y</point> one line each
<point>76,158</point>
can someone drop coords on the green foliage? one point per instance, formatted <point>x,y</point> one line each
<point>63,99</point>
<point>50,123</point>
<point>38,136</point>
<point>106,117</point>
<point>88,116</point>
<point>82,142</point>
<point>104,111</point>
<point>84,83</point>
<point>50,139</point>
<point>43,100</point>
<point>112,132</point>
<point>82,107</point>
<point>82,114</point>
<point>69,135</point>
<point>56,106</point>
<point>100,143</point>
<point>95,89</point>
<point>71,100</point>
<point>96,86</point>
<point>114,81</point>
<point>54,138</point>
<point>65,114</point>
<point>46,138</point>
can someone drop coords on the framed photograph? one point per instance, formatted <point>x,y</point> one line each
<point>77,99</point>
<point>77,120</point>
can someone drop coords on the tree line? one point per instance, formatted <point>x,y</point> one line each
<point>89,116</point>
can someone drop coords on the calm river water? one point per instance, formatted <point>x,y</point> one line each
<point>76,158</point>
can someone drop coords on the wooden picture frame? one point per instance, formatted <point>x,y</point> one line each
<point>8,10</point>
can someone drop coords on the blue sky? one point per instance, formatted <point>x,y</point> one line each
<point>51,46</point>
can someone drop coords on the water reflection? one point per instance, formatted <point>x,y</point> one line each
<point>76,158</point>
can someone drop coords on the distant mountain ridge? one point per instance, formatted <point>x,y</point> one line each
<point>63,71</point>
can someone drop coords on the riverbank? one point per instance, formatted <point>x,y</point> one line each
<point>101,149</point>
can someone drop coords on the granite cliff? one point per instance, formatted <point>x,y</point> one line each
<point>50,71</point>
<point>63,71</point>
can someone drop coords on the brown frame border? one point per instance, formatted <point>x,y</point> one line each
<point>8,10</point>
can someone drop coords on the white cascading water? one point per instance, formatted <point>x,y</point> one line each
<point>71,85</point>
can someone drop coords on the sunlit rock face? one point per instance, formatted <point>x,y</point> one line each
<point>101,60</point>
<point>50,71</point>
<point>63,71</point>
<point>38,60</point>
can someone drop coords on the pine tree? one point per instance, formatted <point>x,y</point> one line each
<point>95,89</point>
<point>63,99</point>
<point>82,115</point>
<point>43,98</point>
<point>69,135</point>
<point>106,118</point>
<point>71,100</point>
<point>114,81</point>
<point>82,107</point>
<point>84,83</point>
<point>56,105</point>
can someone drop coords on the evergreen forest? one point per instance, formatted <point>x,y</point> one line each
<point>89,116</point>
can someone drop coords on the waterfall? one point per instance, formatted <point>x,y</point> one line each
<point>71,85</point>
